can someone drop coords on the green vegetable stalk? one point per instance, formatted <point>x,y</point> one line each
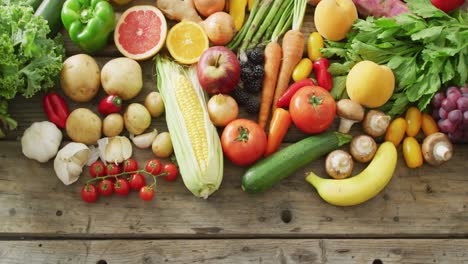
<point>426,49</point>
<point>88,22</point>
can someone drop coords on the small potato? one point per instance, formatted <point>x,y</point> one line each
<point>112,125</point>
<point>136,118</point>
<point>154,104</point>
<point>123,77</point>
<point>84,126</point>
<point>80,78</point>
<point>162,145</point>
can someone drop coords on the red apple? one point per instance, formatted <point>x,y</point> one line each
<point>218,70</point>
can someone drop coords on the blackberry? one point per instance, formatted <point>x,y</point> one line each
<point>240,96</point>
<point>246,73</point>
<point>258,72</point>
<point>253,105</point>
<point>254,87</point>
<point>257,56</point>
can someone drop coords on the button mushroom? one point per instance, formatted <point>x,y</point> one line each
<point>375,123</point>
<point>437,148</point>
<point>363,148</point>
<point>339,164</point>
<point>349,112</point>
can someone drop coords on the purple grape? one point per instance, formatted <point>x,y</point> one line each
<point>462,104</point>
<point>453,90</point>
<point>435,114</point>
<point>437,99</point>
<point>442,113</point>
<point>465,120</point>
<point>464,91</point>
<point>456,136</point>
<point>454,96</point>
<point>455,117</point>
<point>448,105</point>
<point>446,126</point>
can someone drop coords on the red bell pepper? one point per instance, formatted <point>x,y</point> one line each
<point>56,109</point>
<point>285,99</point>
<point>110,104</point>
<point>447,5</point>
<point>324,78</point>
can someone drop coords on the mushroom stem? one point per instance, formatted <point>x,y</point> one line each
<point>345,125</point>
<point>441,152</point>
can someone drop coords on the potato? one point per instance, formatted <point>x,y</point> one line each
<point>123,77</point>
<point>80,78</point>
<point>112,125</point>
<point>162,145</point>
<point>154,104</point>
<point>137,118</point>
<point>84,126</point>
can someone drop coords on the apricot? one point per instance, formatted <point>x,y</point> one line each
<point>370,84</point>
<point>334,18</point>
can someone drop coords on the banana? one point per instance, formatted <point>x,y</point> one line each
<point>362,187</point>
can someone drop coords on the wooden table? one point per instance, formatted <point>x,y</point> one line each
<point>421,217</point>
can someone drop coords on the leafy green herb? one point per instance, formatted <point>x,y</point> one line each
<point>425,49</point>
<point>29,61</point>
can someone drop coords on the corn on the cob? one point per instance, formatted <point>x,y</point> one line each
<point>196,142</point>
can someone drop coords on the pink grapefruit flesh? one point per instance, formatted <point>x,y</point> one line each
<point>140,32</point>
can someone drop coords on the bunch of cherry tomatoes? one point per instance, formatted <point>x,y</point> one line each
<point>120,179</point>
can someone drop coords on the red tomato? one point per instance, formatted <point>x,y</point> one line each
<point>153,166</point>
<point>112,169</point>
<point>130,165</point>
<point>137,181</point>
<point>312,109</point>
<point>146,193</point>
<point>106,187</point>
<point>89,193</point>
<point>97,169</point>
<point>122,187</point>
<point>447,5</point>
<point>243,141</point>
<point>172,171</point>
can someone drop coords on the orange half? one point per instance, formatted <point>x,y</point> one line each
<point>186,42</point>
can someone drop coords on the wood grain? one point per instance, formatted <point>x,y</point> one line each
<point>350,251</point>
<point>426,202</point>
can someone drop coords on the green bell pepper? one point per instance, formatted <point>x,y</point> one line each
<point>88,22</point>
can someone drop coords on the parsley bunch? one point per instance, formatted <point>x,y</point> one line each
<point>426,49</point>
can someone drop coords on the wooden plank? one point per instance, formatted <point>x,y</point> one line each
<point>350,251</point>
<point>426,202</point>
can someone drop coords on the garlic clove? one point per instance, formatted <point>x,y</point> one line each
<point>126,148</point>
<point>144,141</point>
<point>102,144</point>
<point>69,162</point>
<point>114,150</point>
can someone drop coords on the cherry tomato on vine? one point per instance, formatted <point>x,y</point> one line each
<point>89,193</point>
<point>112,169</point>
<point>172,171</point>
<point>97,169</point>
<point>137,181</point>
<point>153,166</point>
<point>106,187</point>
<point>122,187</point>
<point>146,193</point>
<point>129,165</point>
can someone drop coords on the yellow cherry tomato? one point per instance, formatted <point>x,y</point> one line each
<point>412,153</point>
<point>396,131</point>
<point>428,125</point>
<point>314,44</point>
<point>413,120</point>
<point>302,70</point>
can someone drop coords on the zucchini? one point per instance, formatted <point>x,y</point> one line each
<point>50,10</point>
<point>269,171</point>
<point>33,3</point>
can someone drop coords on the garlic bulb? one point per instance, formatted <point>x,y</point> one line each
<point>69,162</point>
<point>115,149</point>
<point>41,141</point>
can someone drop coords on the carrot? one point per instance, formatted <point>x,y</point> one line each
<point>279,125</point>
<point>272,64</point>
<point>293,49</point>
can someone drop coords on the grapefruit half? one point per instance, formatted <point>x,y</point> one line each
<point>140,32</point>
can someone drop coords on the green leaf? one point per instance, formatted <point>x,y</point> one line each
<point>386,23</point>
<point>449,72</point>
<point>462,68</point>
<point>425,8</point>
<point>340,68</point>
<point>428,33</point>
<point>338,90</point>
<point>330,52</point>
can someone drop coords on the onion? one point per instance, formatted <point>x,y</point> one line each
<point>222,109</point>
<point>219,28</point>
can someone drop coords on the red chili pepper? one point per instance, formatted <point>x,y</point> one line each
<point>110,104</point>
<point>324,78</point>
<point>56,109</point>
<point>285,99</point>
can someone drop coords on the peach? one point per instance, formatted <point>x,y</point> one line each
<point>334,18</point>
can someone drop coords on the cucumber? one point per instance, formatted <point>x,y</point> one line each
<point>33,3</point>
<point>267,172</point>
<point>50,10</point>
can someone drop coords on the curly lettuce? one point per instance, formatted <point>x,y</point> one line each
<point>30,62</point>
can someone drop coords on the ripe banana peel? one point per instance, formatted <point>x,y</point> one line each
<point>362,187</point>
